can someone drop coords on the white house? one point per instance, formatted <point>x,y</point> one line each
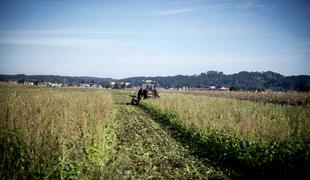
<point>84,85</point>
<point>212,87</point>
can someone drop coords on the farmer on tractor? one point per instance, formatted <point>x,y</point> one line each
<point>148,89</point>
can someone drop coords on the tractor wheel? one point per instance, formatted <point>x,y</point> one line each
<point>134,101</point>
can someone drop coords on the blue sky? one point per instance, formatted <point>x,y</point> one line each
<point>121,39</point>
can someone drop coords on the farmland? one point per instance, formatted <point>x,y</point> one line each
<point>54,133</point>
<point>85,133</point>
<point>284,98</point>
<point>262,138</point>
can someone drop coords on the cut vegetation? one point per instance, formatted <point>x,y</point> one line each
<point>147,150</point>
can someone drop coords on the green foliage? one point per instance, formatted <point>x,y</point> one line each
<point>106,84</point>
<point>91,134</point>
<point>148,151</point>
<point>283,98</point>
<point>240,81</point>
<point>54,133</point>
<point>52,78</point>
<point>245,138</point>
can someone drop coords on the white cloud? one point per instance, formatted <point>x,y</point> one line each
<point>52,41</point>
<point>249,5</point>
<point>176,11</point>
<point>67,32</point>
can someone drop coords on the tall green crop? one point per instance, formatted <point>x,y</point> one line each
<point>53,133</point>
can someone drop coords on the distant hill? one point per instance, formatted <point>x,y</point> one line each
<point>239,81</point>
<point>243,80</point>
<point>53,78</point>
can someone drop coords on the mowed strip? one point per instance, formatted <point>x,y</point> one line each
<point>148,151</point>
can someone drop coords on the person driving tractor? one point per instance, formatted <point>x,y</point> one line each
<point>147,89</point>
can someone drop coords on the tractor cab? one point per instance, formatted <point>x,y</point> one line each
<point>148,89</point>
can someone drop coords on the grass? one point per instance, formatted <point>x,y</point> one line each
<point>262,138</point>
<point>48,133</point>
<point>147,150</point>
<point>54,133</point>
<point>283,98</point>
<point>257,121</point>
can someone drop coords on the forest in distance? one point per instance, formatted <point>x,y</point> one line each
<point>239,81</point>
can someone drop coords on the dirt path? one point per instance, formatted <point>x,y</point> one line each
<point>145,150</point>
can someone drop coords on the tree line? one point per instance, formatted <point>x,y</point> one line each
<point>239,81</point>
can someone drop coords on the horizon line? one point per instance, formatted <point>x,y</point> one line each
<point>94,76</point>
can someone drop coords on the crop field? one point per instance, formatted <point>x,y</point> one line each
<point>262,138</point>
<point>76,133</point>
<point>53,133</point>
<point>284,98</point>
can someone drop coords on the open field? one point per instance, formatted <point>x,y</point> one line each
<point>145,149</point>
<point>92,134</point>
<point>54,133</point>
<point>262,138</point>
<point>259,121</point>
<point>283,98</point>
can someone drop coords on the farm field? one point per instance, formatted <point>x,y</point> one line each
<point>87,134</point>
<point>54,133</point>
<point>264,139</point>
<point>148,150</point>
<point>283,98</point>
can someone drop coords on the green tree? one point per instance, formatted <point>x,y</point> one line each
<point>106,84</point>
<point>117,85</point>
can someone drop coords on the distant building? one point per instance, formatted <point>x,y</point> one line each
<point>124,84</point>
<point>84,85</point>
<point>13,82</point>
<point>224,89</point>
<point>113,84</point>
<point>56,85</point>
<point>185,88</point>
<point>50,84</point>
<point>212,87</point>
<point>42,84</point>
<point>93,85</point>
<point>28,83</point>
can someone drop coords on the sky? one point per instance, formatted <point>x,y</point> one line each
<point>126,38</point>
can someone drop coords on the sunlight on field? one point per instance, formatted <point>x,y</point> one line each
<point>53,133</point>
<point>68,133</point>
<point>262,139</point>
<point>291,98</point>
<point>259,121</point>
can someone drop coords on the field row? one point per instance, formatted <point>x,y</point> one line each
<point>263,139</point>
<point>147,150</point>
<point>257,121</point>
<point>283,98</point>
